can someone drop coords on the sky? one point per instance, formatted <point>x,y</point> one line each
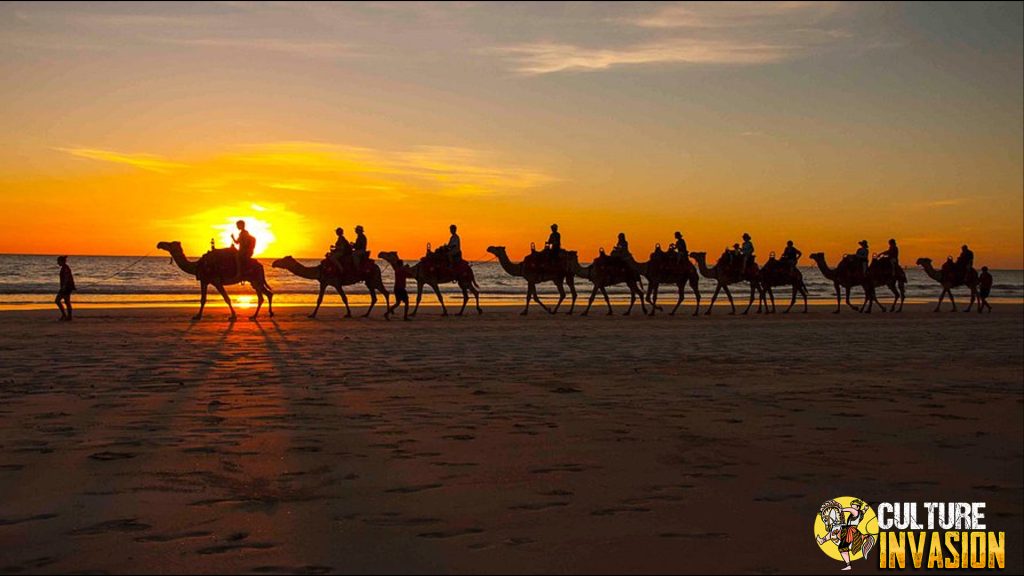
<point>125,124</point>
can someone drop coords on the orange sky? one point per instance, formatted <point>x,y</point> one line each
<point>827,123</point>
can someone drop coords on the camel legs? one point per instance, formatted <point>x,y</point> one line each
<point>607,301</point>
<point>476,298</point>
<point>202,301</point>
<point>679,301</point>
<point>572,290</point>
<point>694,284</point>
<point>227,299</point>
<point>440,298</point>
<point>259,304</point>
<point>593,294</point>
<point>561,296</point>
<point>270,301</point>
<point>751,302</point>
<point>720,287</point>
<point>652,295</point>
<point>971,303</point>
<point>344,300</point>
<point>319,300</point>
<point>373,301</point>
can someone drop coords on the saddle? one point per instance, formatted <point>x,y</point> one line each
<point>438,263</point>
<point>223,263</point>
<point>545,261</point>
<point>329,268</point>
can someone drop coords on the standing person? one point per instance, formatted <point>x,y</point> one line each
<point>454,246</point>
<point>402,272</point>
<point>67,286</point>
<point>246,246</point>
<point>984,289</point>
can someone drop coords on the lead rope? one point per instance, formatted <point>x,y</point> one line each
<point>119,272</point>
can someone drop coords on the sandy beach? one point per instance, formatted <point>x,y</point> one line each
<point>136,441</point>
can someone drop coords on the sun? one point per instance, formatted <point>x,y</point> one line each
<point>260,229</point>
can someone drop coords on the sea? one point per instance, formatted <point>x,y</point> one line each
<point>30,281</point>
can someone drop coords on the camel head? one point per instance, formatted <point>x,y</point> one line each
<point>699,255</point>
<point>388,256</point>
<point>171,247</point>
<point>284,262</point>
<point>496,250</point>
<point>924,261</point>
<point>818,256</point>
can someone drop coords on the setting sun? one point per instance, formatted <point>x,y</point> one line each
<point>260,229</point>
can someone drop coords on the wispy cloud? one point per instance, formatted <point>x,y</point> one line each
<point>697,33</point>
<point>150,162</point>
<point>545,58</point>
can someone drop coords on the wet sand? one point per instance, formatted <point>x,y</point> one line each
<point>136,441</point>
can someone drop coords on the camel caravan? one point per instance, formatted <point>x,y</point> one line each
<point>348,263</point>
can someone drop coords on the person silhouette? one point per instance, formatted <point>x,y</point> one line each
<point>340,250</point>
<point>359,249</point>
<point>67,286</point>
<point>554,243</point>
<point>984,289</point>
<point>402,273</point>
<point>964,262</point>
<point>246,246</point>
<point>747,252</point>
<point>862,256</point>
<point>621,248</point>
<point>791,255</point>
<point>454,246</point>
<point>682,253</point>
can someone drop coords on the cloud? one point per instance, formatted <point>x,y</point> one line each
<point>732,14</point>
<point>545,58</point>
<point>150,162</point>
<point>701,33</point>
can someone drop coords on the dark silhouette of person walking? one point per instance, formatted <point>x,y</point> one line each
<point>402,272</point>
<point>67,286</point>
<point>984,289</point>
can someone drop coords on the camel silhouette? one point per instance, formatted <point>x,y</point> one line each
<point>429,273</point>
<point>218,267</point>
<point>607,271</point>
<point>326,273</point>
<point>535,271</point>
<point>663,268</point>
<point>848,274</point>
<point>950,280</point>
<point>776,273</point>
<point>724,276</point>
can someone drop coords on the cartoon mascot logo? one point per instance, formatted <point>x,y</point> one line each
<point>846,529</point>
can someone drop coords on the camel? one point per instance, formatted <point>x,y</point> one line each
<point>724,276</point>
<point>534,274</point>
<point>211,269</point>
<point>326,274</point>
<point>879,274</point>
<point>662,268</point>
<point>949,280</point>
<point>428,273</point>
<point>776,273</point>
<point>607,271</point>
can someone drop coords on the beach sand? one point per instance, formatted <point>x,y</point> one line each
<point>136,441</point>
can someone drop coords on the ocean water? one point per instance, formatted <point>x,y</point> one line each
<point>30,281</point>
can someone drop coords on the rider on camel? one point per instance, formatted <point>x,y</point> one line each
<point>621,249</point>
<point>454,247</point>
<point>791,255</point>
<point>359,249</point>
<point>341,250</point>
<point>746,251</point>
<point>681,253</point>
<point>246,247</point>
<point>892,254</point>
<point>554,244</point>
<point>861,257</point>
<point>964,262</point>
